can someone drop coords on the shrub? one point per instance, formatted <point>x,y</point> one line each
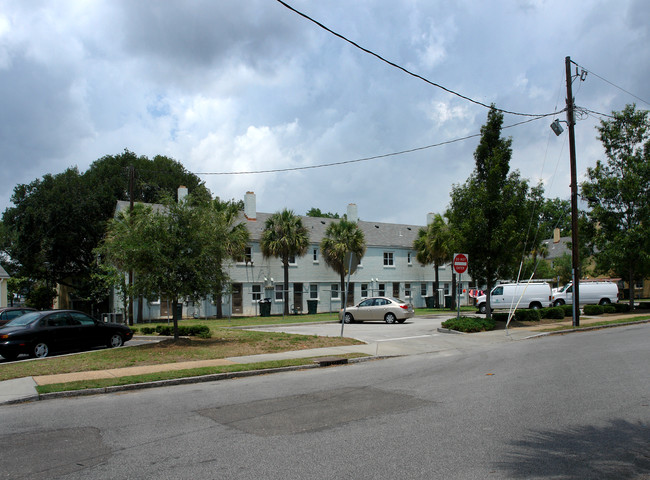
<point>609,308</point>
<point>469,324</point>
<point>528,315</point>
<point>148,330</point>
<point>621,307</point>
<point>499,316</point>
<point>201,331</point>
<point>552,313</point>
<point>593,309</point>
<point>568,310</point>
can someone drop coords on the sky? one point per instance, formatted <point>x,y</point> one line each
<point>227,86</point>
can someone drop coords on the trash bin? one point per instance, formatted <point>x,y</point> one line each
<point>312,307</point>
<point>448,299</point>
<point>430,301</point>
<point>265,307</point>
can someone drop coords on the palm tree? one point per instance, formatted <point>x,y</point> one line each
<point>433,244</point>
<point>342,237</point>
<point>284,237</point>
<point>233,238</point>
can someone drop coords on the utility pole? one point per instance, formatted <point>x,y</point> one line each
<point>575,255</point>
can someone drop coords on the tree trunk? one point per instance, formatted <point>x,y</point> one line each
<point>488,301</point>
<point>631,285</point>
<point>285,287</point>
<point>218,300</point>
<point>436,286</point>
<point>175,317</point>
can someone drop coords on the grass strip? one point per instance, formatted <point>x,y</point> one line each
<point>174,374</point>
<point>599,324</point>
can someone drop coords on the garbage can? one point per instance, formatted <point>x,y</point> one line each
<point>430,301</point>
<point>312,307</point>
<point>265,307</point>
<point>448,301</point>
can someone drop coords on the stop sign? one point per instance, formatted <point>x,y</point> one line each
<point>460,262</point>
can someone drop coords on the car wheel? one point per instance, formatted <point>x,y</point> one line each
<point>482,308</point>
<point>604,301</point>
<point>390,318</point>
<point>115,341</point>
<point>558,303</point>
<point>40,350</point>
<point>348,318</point>
<point>535,306</point>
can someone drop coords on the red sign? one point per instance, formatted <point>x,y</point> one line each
<point>460,262</point>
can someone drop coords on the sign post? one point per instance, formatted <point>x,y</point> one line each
<point>460,266</point>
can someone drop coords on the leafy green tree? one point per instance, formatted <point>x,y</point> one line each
<point>175,251</point>
<point>55,222</point>
<point>316,212</point>
<point>490,214</point>
<point>284,237</point>
<point>433,246</point>
<point>341,238</point>
<point>554,213</point>
<point>235,237</point>
<point>618,194</point>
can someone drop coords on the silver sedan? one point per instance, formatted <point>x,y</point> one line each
<point>388,309</point>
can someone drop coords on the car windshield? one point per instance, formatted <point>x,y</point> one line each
<point>24,320</point>
<point>564,288</point>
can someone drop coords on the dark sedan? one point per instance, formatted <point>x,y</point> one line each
<point>40,333</point>
<point>9,313</point>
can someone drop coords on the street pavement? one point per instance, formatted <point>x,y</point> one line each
<point>397,343</point>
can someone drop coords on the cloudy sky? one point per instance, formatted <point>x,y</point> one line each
<point>248,85</point>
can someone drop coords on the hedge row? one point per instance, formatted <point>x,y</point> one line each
<point>469,324</point>
<point>201,331</point>
<point>528,315</point>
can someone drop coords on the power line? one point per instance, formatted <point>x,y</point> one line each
<point>399,67</point>
<point>366,159</point>
<point>612,84</point>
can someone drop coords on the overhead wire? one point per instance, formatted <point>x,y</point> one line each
<point>366,159</point>
<point>611,83</point>
<point>403,69</point>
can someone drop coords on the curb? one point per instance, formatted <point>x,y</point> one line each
<point>187,380</point>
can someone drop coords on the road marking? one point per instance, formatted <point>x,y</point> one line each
<point>407,338</point>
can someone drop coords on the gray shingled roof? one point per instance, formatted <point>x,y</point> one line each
<point>3,273</point>
<point>556,250</point>
<point>376,233</point>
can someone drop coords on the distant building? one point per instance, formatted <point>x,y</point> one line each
<point>388,268</point>
<point>4,277</point>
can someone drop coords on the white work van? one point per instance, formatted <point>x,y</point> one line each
<point>519,295</point>
<point>591,293</point>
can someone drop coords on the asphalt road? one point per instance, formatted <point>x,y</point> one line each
<point>562,407</point>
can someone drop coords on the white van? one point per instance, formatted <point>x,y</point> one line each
<point>508,295</point>
<point>591,293</point>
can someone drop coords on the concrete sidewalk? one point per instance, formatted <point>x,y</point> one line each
<point>24,389</point>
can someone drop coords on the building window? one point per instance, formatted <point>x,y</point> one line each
<point>446,289</point>
<point>364,290</point>
<point>247,257</point>
<point>382,289</point>
<point>423,289</point>
<point>407,290</point>
<point>315,255</point>
<point>279,294</point>
<point>256,291</point>
<point>388,259</point>
<point>313,291</point>
<point>409,258</point>
<point>292,259</point>
<point>335,290</point>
